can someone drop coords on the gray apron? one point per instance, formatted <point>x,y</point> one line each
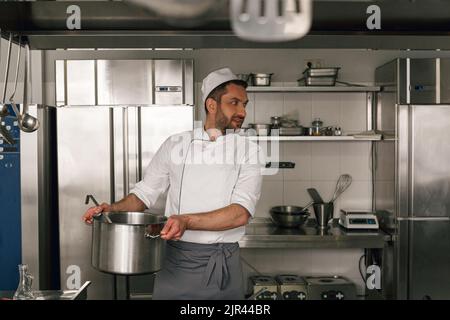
<point>193,271</point>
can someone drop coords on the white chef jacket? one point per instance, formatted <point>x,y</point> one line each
<point>203,175</point>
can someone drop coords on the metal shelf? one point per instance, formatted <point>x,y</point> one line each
<point>309,138</point>
<point>315,89</point>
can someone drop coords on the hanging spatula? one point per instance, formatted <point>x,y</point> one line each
<point>271,20</point>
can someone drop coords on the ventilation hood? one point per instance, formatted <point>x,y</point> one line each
<point>405,24</point>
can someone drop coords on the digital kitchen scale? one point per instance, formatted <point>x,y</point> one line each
<point>358,220</point>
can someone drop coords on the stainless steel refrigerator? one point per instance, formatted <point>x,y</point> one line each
<point>110,119</point>
<point>413,175</point>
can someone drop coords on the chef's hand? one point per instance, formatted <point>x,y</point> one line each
<point>87,217</point>
<point>174,228</point>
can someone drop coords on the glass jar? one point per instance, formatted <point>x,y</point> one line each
<point>316,127</point>
<point>24,291</point>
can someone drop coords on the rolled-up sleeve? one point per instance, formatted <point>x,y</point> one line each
<point>156,177</point>
<point>247,190</point>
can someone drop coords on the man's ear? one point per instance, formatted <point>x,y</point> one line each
<point>211,105</point>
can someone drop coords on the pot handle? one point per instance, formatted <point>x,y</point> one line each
<point>149,233</point>
<point>151,236</point>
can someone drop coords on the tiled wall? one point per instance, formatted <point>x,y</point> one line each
<point>318,164</point>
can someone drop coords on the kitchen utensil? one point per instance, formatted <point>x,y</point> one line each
<point>342,184</point>
<point>289,216</point>
<point>271,21</point>
<point>261,79</point>
<point>314,194</point>
<point>323,213</point>
<point>8,60</point>
<point>19,47</point>
<point>89,196</point>
<point>4,108</point>
<point>260,129</point>
<point>27,122</point>
<point>128,245</point>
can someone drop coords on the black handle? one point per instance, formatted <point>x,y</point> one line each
<point>281,165</point>
<point>315,195</point>
<point>90,196</point>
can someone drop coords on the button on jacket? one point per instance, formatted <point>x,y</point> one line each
<point>200,175</point>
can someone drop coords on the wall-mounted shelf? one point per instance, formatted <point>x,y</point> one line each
<point>315,89</point>
<point>309,138</point>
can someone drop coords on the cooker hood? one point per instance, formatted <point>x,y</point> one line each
<point>405,24</point>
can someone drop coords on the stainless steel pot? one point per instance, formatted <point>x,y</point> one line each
<point>129,243</point>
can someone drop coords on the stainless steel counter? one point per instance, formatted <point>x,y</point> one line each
<point>262,233</point>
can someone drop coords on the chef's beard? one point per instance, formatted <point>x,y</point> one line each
<point>223,123</point>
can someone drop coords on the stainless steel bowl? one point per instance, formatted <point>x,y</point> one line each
<point>289,216</point>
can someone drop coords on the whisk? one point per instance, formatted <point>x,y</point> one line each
<point>342,184</point>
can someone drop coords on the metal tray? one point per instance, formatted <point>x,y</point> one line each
<point>321,72</point>
<point>292,131</point>
<point>321,81</point>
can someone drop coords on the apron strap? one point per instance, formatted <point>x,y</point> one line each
<point>217,268</point>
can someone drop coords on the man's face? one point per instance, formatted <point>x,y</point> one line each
<point>231,109</point>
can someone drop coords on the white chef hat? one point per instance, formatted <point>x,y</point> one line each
<point>215,79</point>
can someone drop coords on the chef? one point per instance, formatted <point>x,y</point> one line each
<point>212,176</point>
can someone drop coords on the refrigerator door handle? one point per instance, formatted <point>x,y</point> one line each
<point>424,219</point>
<point>126,174</point>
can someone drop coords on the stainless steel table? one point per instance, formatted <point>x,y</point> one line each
<point>262,233</point>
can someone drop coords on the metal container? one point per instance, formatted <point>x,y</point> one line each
<point>261,79</point>
<point>321,72</point>
<point>323,213</point>
<point>129,245</point>
<point>289,216</point>
<point>323,81</point>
